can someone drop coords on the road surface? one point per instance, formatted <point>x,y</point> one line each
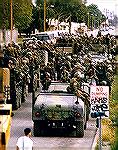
<point>23,119</point>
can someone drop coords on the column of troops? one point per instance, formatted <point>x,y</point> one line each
<point>30,65</point>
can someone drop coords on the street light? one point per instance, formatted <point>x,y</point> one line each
<point>45,10</point>
<point>92,21</point>
<point>95,20</point>
<point>38,9</point>
<point>49,10</point>
<point>70,24</point>
<point>88,19</point>
<point>59,15</point>
<point>11,15</point>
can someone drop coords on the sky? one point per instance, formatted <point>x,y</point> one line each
<point>109,6</point>
<point>33,1</point>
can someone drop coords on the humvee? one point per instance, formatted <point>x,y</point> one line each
<point>58,109</point>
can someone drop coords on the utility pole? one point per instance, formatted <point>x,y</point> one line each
<point>39,18</point>
<point>3,25</point>
<point>44,15</point>
<point>11,14</point>
<point>88,20</point>
<point>70,24</point>
<point>92,23</point>
<point>100,134</point>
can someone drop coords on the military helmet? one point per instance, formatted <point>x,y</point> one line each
<point>104,83</point>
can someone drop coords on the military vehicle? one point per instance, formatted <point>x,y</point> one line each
<point>58,86</point>
<point>56,108</point>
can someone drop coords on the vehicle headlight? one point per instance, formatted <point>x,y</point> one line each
<point>37,114</point>
<point>77,115</point>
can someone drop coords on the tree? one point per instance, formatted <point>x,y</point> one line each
<point>38,16</point>
<point>62,9</point>
<point>65,8</point>
<point>22,14</point>
<point>4,14</point>
<point>95,15</point>
<point>74,10</point>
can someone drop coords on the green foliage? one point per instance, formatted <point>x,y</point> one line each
<point>4,14</point>
<point>115,145</point>
<point>95,14</point>
<point>62,9</point>
<point>66,8</point>
<point>22,13</point>
<point>37,17</point>
<point>114,108</point>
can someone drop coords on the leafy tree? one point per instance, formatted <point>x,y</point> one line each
<point>62,9</point>
<point>95,15</point>
<point>38,15</point>
<point>22,14</point>
<point>4,14</point>
<point>65,7</point>
<point>37,18</point>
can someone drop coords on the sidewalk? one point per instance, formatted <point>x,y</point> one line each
<point>21,119</point>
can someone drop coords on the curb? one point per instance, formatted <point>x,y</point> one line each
<point>95,139</point>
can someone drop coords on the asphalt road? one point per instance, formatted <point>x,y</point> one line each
<point>23,119</point>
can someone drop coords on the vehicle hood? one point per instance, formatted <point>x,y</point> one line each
<point>54,100</point>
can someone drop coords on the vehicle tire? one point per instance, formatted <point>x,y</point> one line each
<point>79,129</point>
<point>19,102</point>
<point>87,113</point>
<point>85,125</point>
<point>37,128</point>
<point>87,117</point>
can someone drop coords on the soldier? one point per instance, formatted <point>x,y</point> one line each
<point>46,82</point>
<point>65,75</point>
<point>12,84</point>
<point>42,71</point>
<point>107,42</point>
<point>25,71</point>
<point>101,72</point>
<point>57,68</point>
<point>73,86</point>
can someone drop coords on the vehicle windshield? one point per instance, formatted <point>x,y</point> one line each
<point>43,37</point>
